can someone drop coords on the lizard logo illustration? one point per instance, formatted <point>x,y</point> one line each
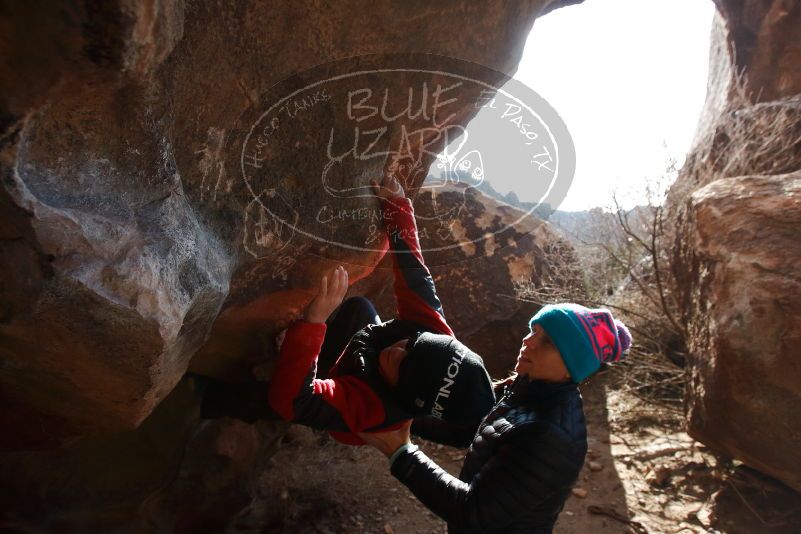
<point>467,168</point>
<point>456,165</point>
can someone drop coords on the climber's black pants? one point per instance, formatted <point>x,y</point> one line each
<point>248,401</point>
<point>351,316</point>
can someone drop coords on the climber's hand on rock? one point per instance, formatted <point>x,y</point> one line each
<point>388,189</point>
<point>329,296</point>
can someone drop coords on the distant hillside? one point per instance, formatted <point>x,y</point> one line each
<point>543,211</point>
<point>580,228</point>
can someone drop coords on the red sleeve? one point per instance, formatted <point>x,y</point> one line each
<point>342,403</point>
<point>298,356</point>
<point>414,287</point>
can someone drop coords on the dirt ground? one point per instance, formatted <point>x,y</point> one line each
<point>643,474</point>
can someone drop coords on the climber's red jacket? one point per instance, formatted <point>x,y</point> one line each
<point>346,404</point>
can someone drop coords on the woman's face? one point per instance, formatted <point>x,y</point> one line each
<point>539,359</point>
<point>389,361</point>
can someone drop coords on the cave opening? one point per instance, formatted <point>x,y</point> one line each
<point>628,89</point>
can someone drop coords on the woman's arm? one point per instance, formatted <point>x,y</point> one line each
<point>514,482</point>
<point>415,293</point>
<point>526,470</point>
<point>342,404</point>
<point>295,392</point>
<point>440,431</point>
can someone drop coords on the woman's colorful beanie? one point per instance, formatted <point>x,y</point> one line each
<point>585,337</point>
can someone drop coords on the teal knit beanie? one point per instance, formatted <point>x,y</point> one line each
<point>585,337</point>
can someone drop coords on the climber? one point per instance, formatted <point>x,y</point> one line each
<point>348,372</point>
<point>529,450</point>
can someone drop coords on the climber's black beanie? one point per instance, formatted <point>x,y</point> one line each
<point>439,376</point>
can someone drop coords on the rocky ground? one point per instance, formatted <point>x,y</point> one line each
<point>643,474</point>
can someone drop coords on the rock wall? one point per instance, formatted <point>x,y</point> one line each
<point>130,240</point>
<point>175,473</point>
<point>737,209</point>
<point>132,246</point>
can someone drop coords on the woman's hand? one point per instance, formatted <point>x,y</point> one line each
<point>390,441</point>
<point>328,297</point>
<point>388,189</point>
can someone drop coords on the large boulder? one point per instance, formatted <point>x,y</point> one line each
<point>151,182</point>
<point>737,212</point>
<point>133,246</point>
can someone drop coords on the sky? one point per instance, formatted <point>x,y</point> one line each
<point>628,77</point>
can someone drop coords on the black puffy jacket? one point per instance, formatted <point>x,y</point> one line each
<point>522,462</point>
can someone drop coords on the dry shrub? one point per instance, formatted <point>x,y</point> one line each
<point>562,279</point>
<point>623,263</point>
<point>654,369</point>
<point>749,139</point>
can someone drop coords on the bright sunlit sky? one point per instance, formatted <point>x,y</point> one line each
<point>628,77</point>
